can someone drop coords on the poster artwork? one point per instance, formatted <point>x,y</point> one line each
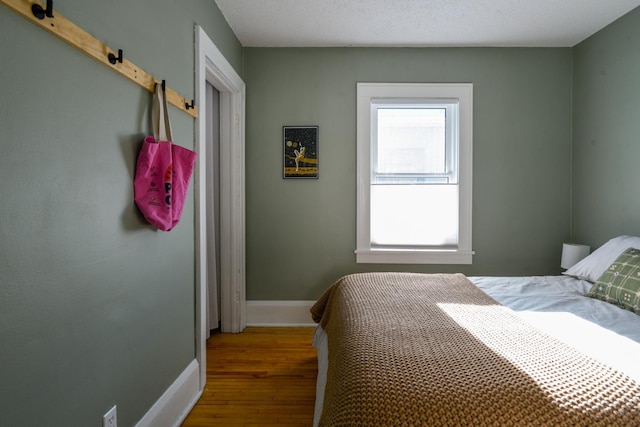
<point>300,148</point>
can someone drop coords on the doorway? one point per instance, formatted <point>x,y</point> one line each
<point>212,165</point>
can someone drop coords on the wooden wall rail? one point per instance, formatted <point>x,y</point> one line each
<point>70,33</point>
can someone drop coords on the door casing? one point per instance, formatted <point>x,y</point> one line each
<point>212,67</point>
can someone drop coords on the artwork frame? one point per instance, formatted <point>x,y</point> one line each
<point>300,152</point>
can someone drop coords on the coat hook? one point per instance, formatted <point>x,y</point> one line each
<point>113,59</point>
<point>188,106</point>
<point>40,13</point>
<point>164,86</point>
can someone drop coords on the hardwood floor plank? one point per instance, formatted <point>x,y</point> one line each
<point>261,377</point>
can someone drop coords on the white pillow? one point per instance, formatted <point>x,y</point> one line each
<point>592,267</point>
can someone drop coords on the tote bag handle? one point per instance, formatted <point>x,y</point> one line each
<point>160,116</point>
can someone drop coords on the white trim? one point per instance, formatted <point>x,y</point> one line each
<point>212,67</point>
<point>176,402</point>
<point>279,313</point>
<point>368,93</point>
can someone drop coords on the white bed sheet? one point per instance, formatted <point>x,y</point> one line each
<point>557,306</point>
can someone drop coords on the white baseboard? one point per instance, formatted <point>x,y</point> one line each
<point>177,401</point>
<point>279,313</point>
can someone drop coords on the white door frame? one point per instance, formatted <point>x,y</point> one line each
<point>212,67</point>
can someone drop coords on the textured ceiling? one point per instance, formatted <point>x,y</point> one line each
<point>308,23</point>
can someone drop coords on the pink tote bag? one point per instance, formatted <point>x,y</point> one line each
<point>163,171</point>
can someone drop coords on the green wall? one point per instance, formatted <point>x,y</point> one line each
<point>96,307</point>
<point>301,233</point>
<point>606,133</point>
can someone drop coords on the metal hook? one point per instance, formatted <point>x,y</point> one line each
<point>113,59</point>
<point>40,13</point>
<point>188,106</point>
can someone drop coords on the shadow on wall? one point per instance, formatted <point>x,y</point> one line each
<point>132,219</point>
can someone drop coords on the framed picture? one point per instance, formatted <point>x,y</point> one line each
<point>300,151</point>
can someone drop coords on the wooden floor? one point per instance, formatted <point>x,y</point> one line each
<point>263,376</point>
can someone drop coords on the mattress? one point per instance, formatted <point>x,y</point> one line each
<point>555,306</point>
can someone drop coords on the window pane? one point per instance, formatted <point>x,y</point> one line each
<point>411,141</point>
<point>414,215</point>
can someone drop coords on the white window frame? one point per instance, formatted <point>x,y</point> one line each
<point>369,94</point>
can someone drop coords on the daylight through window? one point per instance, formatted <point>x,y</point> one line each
<point>414,173</point>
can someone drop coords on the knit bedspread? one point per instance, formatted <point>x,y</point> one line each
<point>410,349</point>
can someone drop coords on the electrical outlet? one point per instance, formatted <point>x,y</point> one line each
<point>110,419</point>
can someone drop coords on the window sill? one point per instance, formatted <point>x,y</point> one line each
<point>413,256</point>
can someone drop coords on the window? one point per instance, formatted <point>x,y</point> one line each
<point>414,173</point>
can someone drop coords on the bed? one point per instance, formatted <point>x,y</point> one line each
<point>445,349</point>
